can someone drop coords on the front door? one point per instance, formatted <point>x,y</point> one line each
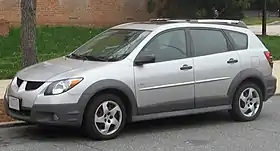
<point>168,83</point>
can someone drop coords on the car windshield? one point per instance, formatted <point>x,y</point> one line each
<point>111,45</point>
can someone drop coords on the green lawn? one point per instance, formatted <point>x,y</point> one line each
<point>273,45</point>
<point>57,41</point>
<point>51,42</point>
<point>258,20</point>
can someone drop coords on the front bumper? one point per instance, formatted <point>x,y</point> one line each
<point>60,115</point>
<point>57,110</point>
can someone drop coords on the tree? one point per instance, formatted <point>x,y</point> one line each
<point>199,8</point>
<point>272,5</point>
<point>28,32</point>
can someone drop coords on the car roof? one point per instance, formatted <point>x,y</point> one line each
<point>154,24</point>
<point>137,26</point>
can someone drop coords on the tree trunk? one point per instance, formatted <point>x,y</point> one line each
<point>28,32</point>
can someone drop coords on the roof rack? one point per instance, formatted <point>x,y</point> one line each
<point>167,20</point>
<point>236,23</point>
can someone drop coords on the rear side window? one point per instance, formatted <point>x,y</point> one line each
<point>240,40</point>
<point>207,41</point>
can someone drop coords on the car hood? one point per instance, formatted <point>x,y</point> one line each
<point>45,70</point>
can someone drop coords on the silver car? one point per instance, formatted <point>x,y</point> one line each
<point>147,70</point>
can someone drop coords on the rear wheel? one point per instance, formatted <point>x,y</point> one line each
<point>247,103</point>
<point>105,117</point>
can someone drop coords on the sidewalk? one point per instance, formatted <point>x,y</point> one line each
<point>3,85</point>
<point>272,30</point>
<point>276,73</point>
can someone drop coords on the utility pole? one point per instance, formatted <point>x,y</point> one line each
<point>264,18</point>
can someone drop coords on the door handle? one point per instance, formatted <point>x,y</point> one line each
<point>186,67</point>
<point>231,60</point>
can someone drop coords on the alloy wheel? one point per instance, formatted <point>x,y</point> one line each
<point>108,118</point>
<point>249,102</point>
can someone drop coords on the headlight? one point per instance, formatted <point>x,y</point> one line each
<point>62,86</point>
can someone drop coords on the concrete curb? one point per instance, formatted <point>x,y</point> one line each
<point>13,124</point>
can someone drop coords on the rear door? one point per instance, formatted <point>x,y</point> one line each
<point>215,66</point>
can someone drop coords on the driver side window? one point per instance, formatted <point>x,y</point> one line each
<point>167,46</point>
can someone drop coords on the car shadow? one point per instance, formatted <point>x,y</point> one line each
<point>45,133</point>
<point>178,123</point>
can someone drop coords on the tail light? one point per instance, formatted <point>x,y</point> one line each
<point>269,58</point>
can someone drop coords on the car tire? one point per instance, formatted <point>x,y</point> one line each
<point>248,97</point>
<point>99,122</point>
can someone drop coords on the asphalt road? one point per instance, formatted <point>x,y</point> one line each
<point>212,131</point>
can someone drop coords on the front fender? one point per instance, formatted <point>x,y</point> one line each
<point>108,84</point>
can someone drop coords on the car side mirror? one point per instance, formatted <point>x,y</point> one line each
<point>139,61</point>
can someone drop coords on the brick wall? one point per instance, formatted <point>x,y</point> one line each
<point>82,12</point>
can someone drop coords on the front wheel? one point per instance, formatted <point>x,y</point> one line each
<point>105,117</point>
<point>247,103</point>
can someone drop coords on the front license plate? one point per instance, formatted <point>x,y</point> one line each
<point>14,103</point>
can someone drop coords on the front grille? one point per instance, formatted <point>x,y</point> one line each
<point>19,82</point>
<point>33,85</point>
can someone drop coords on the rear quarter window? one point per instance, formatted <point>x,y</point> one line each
<point>240,40</point>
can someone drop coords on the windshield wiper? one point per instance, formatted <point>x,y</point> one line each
<point>93,58</point>
<point>73,56</point>
<point>86,57</point>
<point>112,59</point>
